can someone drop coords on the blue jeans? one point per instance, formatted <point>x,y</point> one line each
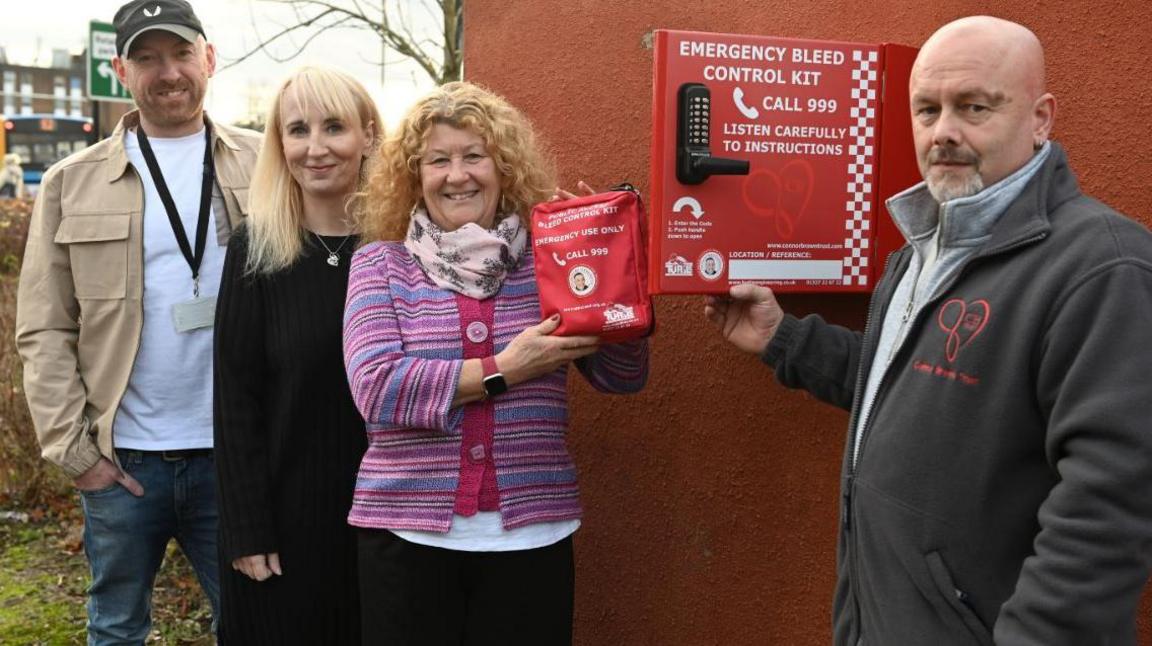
<point>125,538</point>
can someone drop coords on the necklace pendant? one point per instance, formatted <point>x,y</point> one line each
<point>333,254</point>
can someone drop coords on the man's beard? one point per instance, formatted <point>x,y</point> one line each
<point>168,114</point>
<point>950,187</point>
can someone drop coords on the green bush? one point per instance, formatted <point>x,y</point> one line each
<point>14,216</point>
<point>26,481</point>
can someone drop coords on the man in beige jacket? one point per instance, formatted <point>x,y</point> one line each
<point>115,311</point>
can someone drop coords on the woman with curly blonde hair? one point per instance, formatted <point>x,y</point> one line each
<point>466,499</point>
<point>526,175</point>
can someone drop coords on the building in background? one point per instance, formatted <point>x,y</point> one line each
<point>56,90</point>
<point>45,114</point>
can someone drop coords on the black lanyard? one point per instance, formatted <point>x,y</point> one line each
<point>194,260</point>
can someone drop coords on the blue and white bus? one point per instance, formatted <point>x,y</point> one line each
<point>42,140</point>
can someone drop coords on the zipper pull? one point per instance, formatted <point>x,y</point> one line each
<point>908,311</point>
<point>624,186</point>
<point>963,597</point>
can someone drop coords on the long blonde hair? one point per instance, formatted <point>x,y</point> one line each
<point>275,203</point>
<point>527,174</point>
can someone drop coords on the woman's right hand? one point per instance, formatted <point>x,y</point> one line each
<point>258,567</point>
<point>535,352</point>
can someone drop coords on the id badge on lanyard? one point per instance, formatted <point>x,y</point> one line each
<point>198,312</point>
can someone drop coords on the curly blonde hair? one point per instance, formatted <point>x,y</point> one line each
<point>527,174</point>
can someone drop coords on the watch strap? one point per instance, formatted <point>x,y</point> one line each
<point>488,365</point>
<point>493,381</point>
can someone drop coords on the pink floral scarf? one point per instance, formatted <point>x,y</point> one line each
<point>470,260</point>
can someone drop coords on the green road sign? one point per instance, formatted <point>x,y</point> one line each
<point>102,82</point>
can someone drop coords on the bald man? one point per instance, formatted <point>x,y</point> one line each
<point>997,479</point>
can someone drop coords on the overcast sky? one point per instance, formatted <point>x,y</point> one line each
<point>28,27</point>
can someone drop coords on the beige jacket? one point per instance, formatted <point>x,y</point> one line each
<point>79,307</point>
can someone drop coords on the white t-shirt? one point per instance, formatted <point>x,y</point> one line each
<point>168,403</point>
<point>484,532</point>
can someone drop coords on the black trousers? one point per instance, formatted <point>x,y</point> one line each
<point>415,595</point>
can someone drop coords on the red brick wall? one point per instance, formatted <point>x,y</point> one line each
<point>711,497</point>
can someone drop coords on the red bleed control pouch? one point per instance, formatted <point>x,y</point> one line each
<point>592,266</point>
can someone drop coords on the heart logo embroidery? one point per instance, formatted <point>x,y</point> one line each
<point>962,322</point>
<point>782,196</point>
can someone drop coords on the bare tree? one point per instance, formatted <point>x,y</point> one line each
<point>437,51</point>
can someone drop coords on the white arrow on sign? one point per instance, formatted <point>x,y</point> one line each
<point>697,210</point>
<point>107,72</point>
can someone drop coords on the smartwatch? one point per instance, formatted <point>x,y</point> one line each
<point>494,383</point>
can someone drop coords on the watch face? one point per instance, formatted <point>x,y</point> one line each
<point>495,385</point>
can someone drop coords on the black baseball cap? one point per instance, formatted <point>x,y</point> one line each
<point>140,16</point>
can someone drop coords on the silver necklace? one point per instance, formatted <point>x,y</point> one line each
<point>333,256</point>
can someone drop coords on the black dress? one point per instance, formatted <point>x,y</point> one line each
<point>288,445</point>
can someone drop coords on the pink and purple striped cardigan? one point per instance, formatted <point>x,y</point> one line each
<point>403,352</point>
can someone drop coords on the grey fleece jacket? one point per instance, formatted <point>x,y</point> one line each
<point>943,237</point>
<point>1002,492</point>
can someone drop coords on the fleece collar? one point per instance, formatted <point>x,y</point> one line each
<point>965,221</point>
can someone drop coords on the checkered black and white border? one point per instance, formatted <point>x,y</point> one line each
<point>861,150</point>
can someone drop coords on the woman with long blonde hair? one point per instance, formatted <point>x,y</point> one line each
<point>288,436</point>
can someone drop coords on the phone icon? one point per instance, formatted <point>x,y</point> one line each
<point>694,160</point>
<point>738,99</point>
<point>559,261</point>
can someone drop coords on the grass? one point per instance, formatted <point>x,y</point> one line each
<point>42,588</point>
<point>43,577</point>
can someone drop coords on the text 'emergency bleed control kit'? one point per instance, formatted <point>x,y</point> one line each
<point>771,161</point>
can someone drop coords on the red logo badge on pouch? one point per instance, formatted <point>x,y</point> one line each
<point>582,280</point>
<point>591,265</point>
